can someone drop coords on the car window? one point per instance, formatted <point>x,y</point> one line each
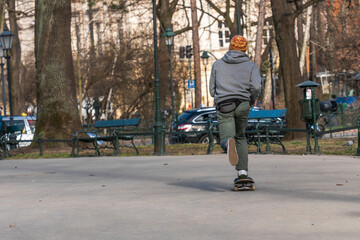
<point>16,122</point>
<point>185,116</point>
<point>205,117</point>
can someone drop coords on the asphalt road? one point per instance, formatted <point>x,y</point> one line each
<point>186,197</point>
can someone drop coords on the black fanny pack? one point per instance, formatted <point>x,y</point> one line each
<point>228,105</point>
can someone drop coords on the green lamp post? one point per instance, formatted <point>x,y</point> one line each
<point>158,140</point>
<point>310,112</point>
<point>169,42</point>
<point>6,39</point>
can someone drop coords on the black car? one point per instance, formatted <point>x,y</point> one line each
<point>192,126</point>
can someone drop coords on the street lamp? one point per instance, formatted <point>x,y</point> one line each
<point>2,77</point>
<point>6,39</point>
<point>169,41</point>
<point>158,140</point>
<point>205,59</point>
<point>169,37</point>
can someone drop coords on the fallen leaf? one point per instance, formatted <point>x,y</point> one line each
<point>11,226</point>
<point>230,210</point>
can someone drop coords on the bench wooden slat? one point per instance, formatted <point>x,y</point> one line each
<point>117,123</point>
<point>276,113</point>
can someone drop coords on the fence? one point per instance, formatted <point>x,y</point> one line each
<point>263,141</point>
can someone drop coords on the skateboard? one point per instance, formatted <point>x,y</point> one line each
<point>244,185</point>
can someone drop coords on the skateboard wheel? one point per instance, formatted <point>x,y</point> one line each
<point>236,188</point>
<point>252,188</point>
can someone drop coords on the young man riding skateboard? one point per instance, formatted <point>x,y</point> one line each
<point>235,84</point>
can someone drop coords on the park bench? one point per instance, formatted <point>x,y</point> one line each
<point>107,134</point>
<point>265,127</point>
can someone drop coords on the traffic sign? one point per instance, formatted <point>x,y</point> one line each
<point>191,83</point>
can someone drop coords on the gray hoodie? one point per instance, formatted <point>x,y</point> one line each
<point>234,76</point>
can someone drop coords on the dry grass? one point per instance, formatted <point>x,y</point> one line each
<point>335,146</point>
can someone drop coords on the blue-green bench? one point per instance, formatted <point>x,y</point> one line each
<point>107,134</point>
<point>265,126</point>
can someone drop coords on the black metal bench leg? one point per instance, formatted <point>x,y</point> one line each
<point>77,148</point>
<point>116,146</point>
<point>282,145</point>
<point>97,152</point>
<point>137,151</point>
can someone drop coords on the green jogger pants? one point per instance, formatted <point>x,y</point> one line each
<point>233,124</point>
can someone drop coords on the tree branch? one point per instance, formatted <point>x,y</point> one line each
<point>301,8</point>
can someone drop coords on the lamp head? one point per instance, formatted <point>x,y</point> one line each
<point>6,38</point>
<point>205,57</point>
<point>169,37</point>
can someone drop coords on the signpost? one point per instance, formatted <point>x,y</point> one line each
<point>191,87</point>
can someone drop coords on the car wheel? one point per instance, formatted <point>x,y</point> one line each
<point>205,139</point>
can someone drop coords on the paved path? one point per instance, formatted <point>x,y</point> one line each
<point>187,197</point>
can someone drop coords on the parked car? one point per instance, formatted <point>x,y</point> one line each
<point>28,130</point>
<point>192,125</point>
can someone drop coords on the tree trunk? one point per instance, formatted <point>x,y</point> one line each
<point>16,68</point>
<point>196,51</point>
<point>267,103</point>
<point>58,115</point>
<point>305,42</point>
<point>259,33</point>
<point>313,52</point>
<point>2,14</point>
<point>284,23</point>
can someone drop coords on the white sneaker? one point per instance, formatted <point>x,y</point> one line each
<point>231,152</point>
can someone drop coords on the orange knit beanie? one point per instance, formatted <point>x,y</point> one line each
<point>238,43</point>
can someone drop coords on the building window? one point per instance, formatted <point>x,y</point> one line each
<point>224,35</point>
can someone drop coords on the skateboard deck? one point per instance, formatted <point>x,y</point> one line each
<point>244,185</point>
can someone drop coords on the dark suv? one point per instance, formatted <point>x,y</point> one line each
<point>192,126</point>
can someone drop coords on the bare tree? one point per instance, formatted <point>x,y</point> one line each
<point>284,15</point>
<point>16,66</point>
<point>197,70</point>
<point>225,15</point>
<point>259,33</point>
<point>306,41</point>
<point>338,44</point>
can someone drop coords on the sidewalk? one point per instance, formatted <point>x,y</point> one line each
<point>185,197</point>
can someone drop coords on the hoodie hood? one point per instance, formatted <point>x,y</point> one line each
<point>234,56</point>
